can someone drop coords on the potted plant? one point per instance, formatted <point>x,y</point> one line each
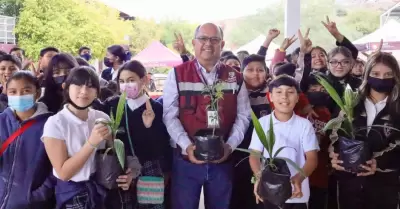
<point>275,179</point>
<point>352,150</point>
<point>209,141</point>
<point>111,160</point>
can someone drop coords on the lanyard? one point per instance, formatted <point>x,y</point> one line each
<point>199,72</point>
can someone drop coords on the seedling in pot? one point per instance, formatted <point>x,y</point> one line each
<point>116,145</point>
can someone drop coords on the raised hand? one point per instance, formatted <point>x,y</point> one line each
<point>148,115</point>
<point>179,44</point>
<point>273,33</point>
<point>287,42</point>
<point>305,42</point>
<point>330,26</point>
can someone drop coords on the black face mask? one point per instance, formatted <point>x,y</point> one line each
<point>78,107</point>
<point>318,98</point>
<point>107,62</point>
<point>381,85</point>
<point>59,80</point>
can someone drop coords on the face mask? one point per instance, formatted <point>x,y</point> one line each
<point>87,57</point>
<point>131,89</point>
<point>107,62</point>
<point>318,98</point>
<point>59,80</point>
<point>21,103</point>
<point>381,85</point>
<point>128,55</point>
<point>78,107</point>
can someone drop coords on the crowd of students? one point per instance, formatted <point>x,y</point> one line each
<point>51,139</point>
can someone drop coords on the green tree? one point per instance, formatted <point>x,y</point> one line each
<point>10,7</point>
<point>171,26</point>
<point>68,25</point>
<point>144,31</point>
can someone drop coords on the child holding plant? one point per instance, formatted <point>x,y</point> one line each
<point>295,143</point>
<point>71,139</point>
<point>375,121</point>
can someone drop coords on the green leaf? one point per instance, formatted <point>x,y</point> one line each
<point>293,164</point>
<point>332,123</point>
<point>331,91</point>
<point>252,153</point>
<point>271,137</point>
<point>280,149</point>
<point>106,152</point>
<point>260,132</point>
<point>120,151</point>
<point>120,110</point>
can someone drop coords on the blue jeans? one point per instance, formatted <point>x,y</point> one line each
<point>188,179</point>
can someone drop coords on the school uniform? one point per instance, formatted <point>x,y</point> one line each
<point>150,145</point>
<point>81,191</point>
<point>298,134</point>
<point>109,74</point>
<point>25,170</point>
<point>381,189</point>
<point>242,188</point>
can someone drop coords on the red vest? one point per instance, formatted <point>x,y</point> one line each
<point>193,102</point>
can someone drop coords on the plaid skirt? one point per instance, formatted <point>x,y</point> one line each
<point>81,201</point>
<point>151,168</point>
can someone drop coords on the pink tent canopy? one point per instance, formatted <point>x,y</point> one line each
<point>157,55</point>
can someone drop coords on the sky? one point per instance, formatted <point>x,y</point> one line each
<point>203,10</point>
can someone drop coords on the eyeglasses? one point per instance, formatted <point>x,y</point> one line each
<point>343,63</point>
<point>213,40</point>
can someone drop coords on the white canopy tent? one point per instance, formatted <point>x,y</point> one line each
<point>389,32</point>
<point>253,46</point>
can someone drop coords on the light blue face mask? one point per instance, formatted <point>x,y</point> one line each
<point>21,103</point>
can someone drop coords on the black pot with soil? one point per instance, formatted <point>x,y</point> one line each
<point>107,169</point>
<point>274,184</point>
<point>353,153</point>
<point>209,145</point>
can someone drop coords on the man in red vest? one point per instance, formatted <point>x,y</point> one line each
<point>186,112</point>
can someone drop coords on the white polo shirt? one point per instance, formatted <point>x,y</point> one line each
<point>67,127</point>
<point>297,133</point>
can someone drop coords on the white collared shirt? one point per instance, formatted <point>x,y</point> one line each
<point>133,104</point>
<point>114,74</point>
<point>67,127</point>
<point>298,135</point>
<point>174,125</point>
<point>373,110</point>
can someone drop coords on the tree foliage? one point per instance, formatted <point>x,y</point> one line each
<point>144,31</point>
<point>171,26</point>
<point>68,25</point>
<point>10,7</point>
<point>353,23</point>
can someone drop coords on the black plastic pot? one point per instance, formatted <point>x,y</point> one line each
<point>209,147</point>
<point>353,153</point>
<point>107,169</point>
<point>274,185</point>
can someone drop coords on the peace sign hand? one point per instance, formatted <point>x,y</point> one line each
<point>305,42</point>
<point>179,44</point>
<point>331,26</point>
<point>287,42</point>
<point>148,115</point>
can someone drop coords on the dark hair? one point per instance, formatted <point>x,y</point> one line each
<point>276,65</point>
<point>11,58</point>
<point>17,49</point>
<point>53,94</point>
<point>118,51</point>
<point>82,62</point>
<point>312,79</point>
<point>133,66</point>
<point>231,57</point>
<point>2,53</point>
<point>83,48</point>
<point>113,86</point>
<point>359,61</point>
<point>287,69</point>
<point>25,75</point>
<point>226,53</point>
<point>295,52</point>
<point>284,80</point>
<point>105,93</point>
<point>391,62</point>
<point>81,75</point>
<point>319,48</point>
<point>48,49</point>
<point>254,58</point>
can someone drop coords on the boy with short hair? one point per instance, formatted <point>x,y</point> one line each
<point>291,131</point>
<point>319,180</point>
<point>9,64</point>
